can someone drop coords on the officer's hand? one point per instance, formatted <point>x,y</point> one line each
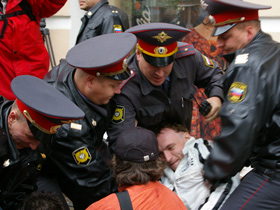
<point>216,104</point>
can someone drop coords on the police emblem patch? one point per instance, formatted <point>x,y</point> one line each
<point>39,167</point>
<point>237,92</point>
<point>117,28</point>
<point>208,62</point>
<point>82,156</point>
<point>119,115</point>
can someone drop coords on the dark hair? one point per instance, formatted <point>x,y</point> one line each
<point>174,126</point>
<point>42,201</point>
<point>129,173</point>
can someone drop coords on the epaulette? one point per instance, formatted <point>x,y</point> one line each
<point>132,74</point>
<point>184,49</point>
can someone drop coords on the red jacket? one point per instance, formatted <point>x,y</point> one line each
<point>22,47</point>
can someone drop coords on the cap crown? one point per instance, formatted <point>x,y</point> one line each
<point>137,145</point>
<point>104,54</point>
<point>43,105</point>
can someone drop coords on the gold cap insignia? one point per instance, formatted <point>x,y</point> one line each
<point>160,50</point>
<point>162,37</point>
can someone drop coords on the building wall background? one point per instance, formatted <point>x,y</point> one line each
<point>64,26</point>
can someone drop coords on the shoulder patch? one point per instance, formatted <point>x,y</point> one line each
<point>237,92</point>
<point>117,29</point>
<point>119,115</point>
<point>208,62</point>
<point>82,156</point>
<point>184,49</point>
<point>242,59</point>
<point>132,74</point>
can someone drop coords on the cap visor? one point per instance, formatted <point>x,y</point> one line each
<point>40,135</point>
<point>160,62</point>
<point>122,76</point>
<point>222,29</point>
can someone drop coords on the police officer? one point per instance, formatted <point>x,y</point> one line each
<point>250,112</point>
<point>32,119</point>
<point>92,73</point>
<point>161,87</point>
<point>101,18</point>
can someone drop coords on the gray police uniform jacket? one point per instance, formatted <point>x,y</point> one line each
<point>149,105</point>
<point>102,19</point>
<point>76,159</point>
<point>250,113</point>
<point>18,168</point>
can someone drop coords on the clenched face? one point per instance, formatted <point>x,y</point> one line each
<point>171,144</point>
<point>87,4</point>
<point>156,75</point>
<point>233,40</point>
<point>20,132</point>
<point>103,89</point>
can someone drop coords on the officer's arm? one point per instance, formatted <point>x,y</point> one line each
<point>216,105</point>
<point>208,75</point>
<point>242,117</point>
<point>124,117</point>
<point>111,24</point>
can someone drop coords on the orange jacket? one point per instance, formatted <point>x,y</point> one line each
<point>152,196</point>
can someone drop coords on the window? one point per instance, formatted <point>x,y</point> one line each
<point>186,13</point>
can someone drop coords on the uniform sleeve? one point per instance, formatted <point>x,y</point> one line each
<point>114,23</point>
<point>208,75</point>
<point>124,117</point>
<point>247,106</point>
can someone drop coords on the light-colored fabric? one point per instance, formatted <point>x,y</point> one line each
<point>153,195</point>
<point>187,181</point>
<point>4,3</point>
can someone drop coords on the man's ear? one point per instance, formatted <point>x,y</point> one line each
<point>138,54</point>
<point>90,80</point>
<point>251,32</point>
<point>12,117</point>
<point>187,135</point>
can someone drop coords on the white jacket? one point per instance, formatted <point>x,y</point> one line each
<point>187,181</point>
